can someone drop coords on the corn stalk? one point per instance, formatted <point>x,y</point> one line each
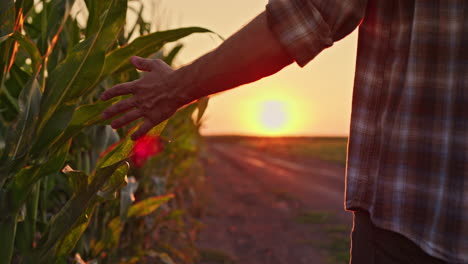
<point>51,71</point>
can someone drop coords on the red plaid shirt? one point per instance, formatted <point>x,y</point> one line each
<point>408,145</point>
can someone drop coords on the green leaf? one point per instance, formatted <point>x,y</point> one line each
<point>7,241</point>
<point>72,34</point>
<point>70,214</point>
<point>30,47</point>
<point>57,12</point>
<point>79,70</point>
<point>17,81</point>
<point>66,245</point>
<point>114,228</point>
<point>26,5</point>
<point>26,230</point>
<point>12,87</point>
<point>17,191</point>
<point>9,104</point>
<point>165,258</point>
<point>112,22</point>
<point>24,180</point>
<point>111,236</point>
<point>202,104</point>
<point>139,14</point>
<point>95,10</point>
<point>78,180</point>
<point>124,149</point>
<point>53,128</point>
<point>116,181</point>
<point>119,59</point>
<point>104,137</point>
<point>78,73</point>
<point>169,59</point>
<point>86,116</point>
<point>148,206</point>
<point>127,197</point>
<point>7,18</point>
<point>22,133</point>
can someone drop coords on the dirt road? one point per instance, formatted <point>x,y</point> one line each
<point>272,209</point>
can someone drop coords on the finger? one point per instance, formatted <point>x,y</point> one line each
<point>142,130</point>
<point>126,119</point>
<point>119,107</point>
<point>120,89</point>
<point>142,64</point>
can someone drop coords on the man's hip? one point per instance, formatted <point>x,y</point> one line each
<point>373,245</point>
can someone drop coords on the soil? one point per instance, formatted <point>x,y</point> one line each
<point>274,209</point>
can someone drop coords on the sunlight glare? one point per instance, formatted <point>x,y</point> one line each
<point>273,115</point>
<point>274,110</point>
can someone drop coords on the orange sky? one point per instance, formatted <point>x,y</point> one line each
<point>314,100</point>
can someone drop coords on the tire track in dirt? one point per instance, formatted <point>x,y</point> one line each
<point>254,199</point>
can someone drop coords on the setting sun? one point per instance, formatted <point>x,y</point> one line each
<point>319,101</point>
<point>273,111</point>
<point>273,115</point>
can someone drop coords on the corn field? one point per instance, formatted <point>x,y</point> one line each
<point>72,189</point>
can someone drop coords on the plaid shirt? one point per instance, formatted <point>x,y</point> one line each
<point>408,146</point>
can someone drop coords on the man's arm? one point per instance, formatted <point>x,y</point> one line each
<point>249,55</point>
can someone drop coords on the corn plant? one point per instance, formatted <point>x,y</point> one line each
<point>52,71</point>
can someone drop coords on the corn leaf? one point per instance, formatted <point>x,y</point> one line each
<point>21,134</point>
<point>16,194</point>
<point>78,180</point>
<point>57,13</point>
<point>202,104</point>
<point>18,79</point>
<point>26,230</point>
<point>78,73</point>
<point>11,88</point>
<point>54,127</point>
<point>127,197</point>
<point>66,245</point>
<point>119,59</point>
<point>7,234</point>
<point>28,45</point>
<point>95,10</point>
<point>169,59</point>
<point>165,258</point>
<point>65,221</point>
<point>115,183</point>
<point>85,116</point>
<point>9,99</point>
<point>24,181</point>
<point>105,136</point>
<point>111,236</point>
<point>14,198</point>
<point>7,18</point>
<point>72,34</point>
<point>147,206</point>
<point>80,69</point>
<point>124,149</point>
<point>114,228</point>
<point>25,5</point>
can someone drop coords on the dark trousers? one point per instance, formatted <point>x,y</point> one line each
<point>373,245</point>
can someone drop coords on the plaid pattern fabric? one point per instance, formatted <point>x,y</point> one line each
<point>408,146</point>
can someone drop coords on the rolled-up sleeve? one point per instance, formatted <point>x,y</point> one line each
<point>306,27</point>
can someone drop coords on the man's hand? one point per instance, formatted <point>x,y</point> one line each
<point>153,99</point>
<point>250,54</point>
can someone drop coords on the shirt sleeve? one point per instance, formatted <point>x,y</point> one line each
<point>306,27</point>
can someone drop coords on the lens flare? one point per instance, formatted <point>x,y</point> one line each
<point>145,148</point>
<point>277,112</point>
<point>273,115</point>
